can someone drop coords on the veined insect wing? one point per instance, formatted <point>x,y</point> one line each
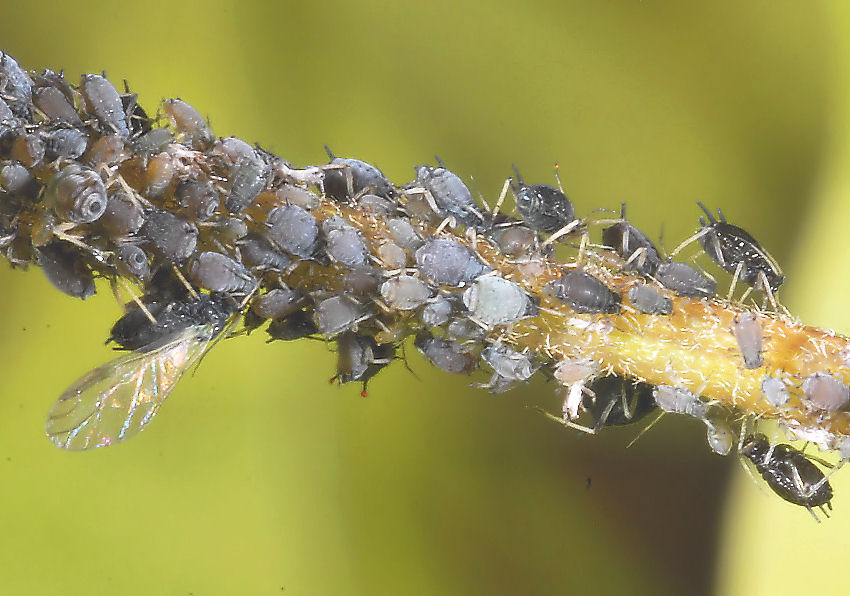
<point>117,400</point>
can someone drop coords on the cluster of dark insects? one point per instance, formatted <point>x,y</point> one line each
<point>202,234</point>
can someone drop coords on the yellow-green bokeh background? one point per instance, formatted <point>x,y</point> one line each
<point>258,476</point>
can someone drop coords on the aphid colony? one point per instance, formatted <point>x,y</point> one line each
<point>213,232</point>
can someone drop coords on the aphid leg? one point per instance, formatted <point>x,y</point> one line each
<point>185,283</point>
<point>639,255</point>
<point>773,442</point>
<point>562,232</point>
<point>735,279</point>
<point>449,220</point>
<point>768,292</point>
<point>580,427</point>
<point>582,247</point>
<point>800,486</point>
<point>687,241</point>
<point>645,429</point>
<point>825,479</point>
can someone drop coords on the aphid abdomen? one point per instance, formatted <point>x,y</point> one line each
<point>685,280</point>
<point>748,334</point>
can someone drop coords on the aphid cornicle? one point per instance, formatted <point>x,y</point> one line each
<point>583,293</point>
<point>544,208</point>
<point>632,245</point>
<point>788,472</point>
<point>117,400</point>
<point>730,247</point>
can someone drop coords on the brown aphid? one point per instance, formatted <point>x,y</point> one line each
<point>28,149</point>
<point>825,392</point>
<point>104,103</point>
<point>188,121</point>
<point>123,215</point>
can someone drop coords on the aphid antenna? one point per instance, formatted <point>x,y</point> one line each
<point>450,220</point>
<point>688,241</point>
<point>439,161</point>
<point>329,152</point>
<point>645,429</point>
<point>518,176</point>
<point>564,422</point>
<point>558,177</point>
<point>134,298</point>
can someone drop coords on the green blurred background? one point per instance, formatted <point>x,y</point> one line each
<point>259,477</point>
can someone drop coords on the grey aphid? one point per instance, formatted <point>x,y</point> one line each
<point>338,313</point>
<point>719,435</point>
<point>747,331</point>
<point>497,301</point>
<point>133,260</point>
<point>104,103</point>
<point>544,208</point>
<point>825,392</point>
<point>153,141</point>
<point>6,116</point>
<point>171,237</point>
<point>444,354</point>
<point>248,179</point>
<point>451,196</point>
<point>123,215</point>
<point>66,270</point>
<point>77,194</point>
<point>436,313</point>
<point>16,179</point>
<point>516,240</point>
<point>353,176</point>
<point>15,86</point>
<point>445,262</point>
<point>508,363</point>
<point>219,273</point>
<point>375,205</point>
<point>276,303</point>
<point>258,253</point>
<point>295,195</point>
<point>362,281</point>
<point>584,293</point>
<point>646,299</point>
<point>679,401</point>
<point>55,105</point>
<point>187,120</point>
<point>198,199</point>
<point>464,329</point>
<point>405,292</point>
<point>405,234</point>
<point>392,255</point>
<point>344,243</point>
<point>685,280</point>
<point>64,143</point>
<point>774,391</point>
<point>292,229</point>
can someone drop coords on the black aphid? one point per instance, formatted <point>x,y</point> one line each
<point>544,208</point>
<point>685,280</point>
<point>632,245</point>
<point>293,326</point>
<point>788,472</point>
<point>732,247</point>
<point>584,293</point>
<point>617,401</point>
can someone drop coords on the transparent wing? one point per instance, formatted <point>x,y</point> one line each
<point>117,400</point>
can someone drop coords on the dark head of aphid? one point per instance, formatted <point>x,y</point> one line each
<point>544,208</point>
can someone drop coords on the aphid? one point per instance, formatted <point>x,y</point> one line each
<point>276,303</point>
<point>153,142</point>
<point>301,197</point>
<point>248,179</point>
<point>679,401</point>
<point>788,472</point>
<point>515,241</point>
<point>405,292</point>
<point>584,293</point>
<point>632,245</point>
<point>133,261</point>
<point>544,208</point>
<point>103,102</point>
<point>392,255</point>
<point>444,354</point>
<point>617,401</point>
<point>258,253</point>
<point>734,250</point>
<point>28,149</point>
<point>719,435</point>
<point>292,229</point>
<point>362,281</point>
<point>464,329</point>
<point>344,243</point>
<point>748,334</point>
<point>352,176</point>
<point>198,199</point>
<point>16,179</point>
<point>187,121</point>
<point>450,196</point>
<point>445,262</point>
<point>436,313</point>
<point>775,391</point>
<point>337,314</point>
<point>171,237</point>
<point>360,357</point>
<point>123,215</point>
<point>77,194</point>
<point>159,174</point>
<point>495,300</point>
<point>65,269</point>
<point>509,367</point>
<point>108,149</point>
<point>377,206</point>
<point>55,104</point>
<point>118,400</point>
<point>685,280</point>
<point>15,86</point>
<point>219,273</point>
<point>405,234</point>
<point>293,326</point>
<point>825,392</point>
<point>647,300</point>
<point>64,143</point>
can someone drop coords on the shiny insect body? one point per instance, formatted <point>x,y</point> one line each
<point>789,473</point>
